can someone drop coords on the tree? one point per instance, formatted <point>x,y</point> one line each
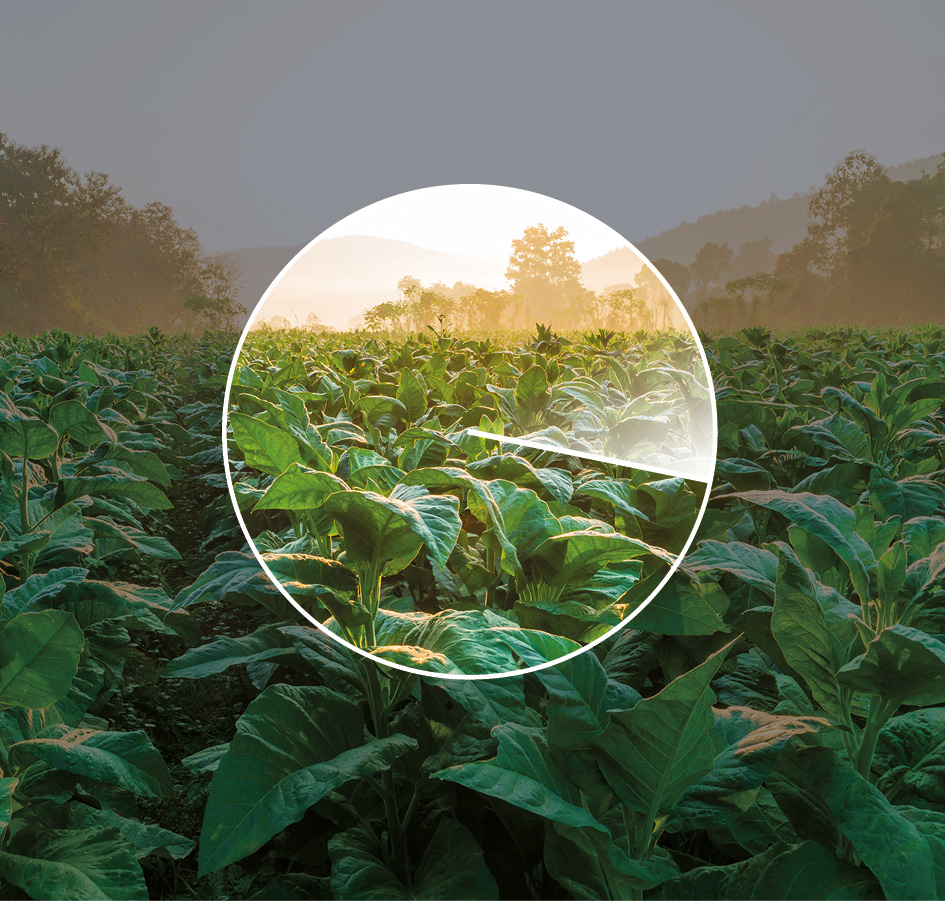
<point>544,272</point>
<point>846,206</point>
<point>752,289</point>
<point>676,274</point>
<point>752,257</point>
<point>712,262</point>
<point>51,218</point>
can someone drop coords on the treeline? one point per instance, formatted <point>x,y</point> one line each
<point>74,254</point>
<point>545,286</point>
<point>873,255</point>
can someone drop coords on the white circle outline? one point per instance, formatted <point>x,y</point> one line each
<point>410,669</point>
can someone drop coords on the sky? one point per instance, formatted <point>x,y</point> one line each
<point>476,220</point>
<point>472,227</point>
<point>264,124</point>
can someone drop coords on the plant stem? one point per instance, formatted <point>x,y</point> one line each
<point>379,713</point>
<point>24,512</point>
<point>880,712</point>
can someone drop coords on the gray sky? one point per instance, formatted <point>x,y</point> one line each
<point>265,123</point>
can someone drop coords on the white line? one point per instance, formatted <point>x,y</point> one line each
<point>524,442</point>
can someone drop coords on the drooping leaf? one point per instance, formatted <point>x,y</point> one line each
<point>124,759</point>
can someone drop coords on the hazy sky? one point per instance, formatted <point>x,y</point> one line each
<point>263,124</point>
<point>476,220</point>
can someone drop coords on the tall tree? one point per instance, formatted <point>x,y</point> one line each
<point>544,272</point>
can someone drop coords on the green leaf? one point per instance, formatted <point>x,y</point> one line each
<point>531,391</point>
<point>121,488</point>
<point>73,419</point>
<point>753,565</point>
<point>575,556</point>
<point>910,755</point>
<point>39,657</point>
<point>891,572</point>
<point>524,774</point>
<point>293,745</point>
<point>577,688</point>
<point>8,785</point>
<point>268,643</point>
<point>411,394</point>
<point>826,518</point>
<point>146,838</point>
<point>265,447</point>
<point>800,628</point>
<point>903,665</point>
<point>653,752</point>
<point>452,867</point>
<point>40,587</point>
<point>27,437</point>
<point>783,871</point>
<point>124,759</point>
<point>549,483</point>
<point>76,865</point>
<point>391,529</point>
<point>751,742</point>
<point>300,488</point>
<point>682,607</point>
<point>892,847</point>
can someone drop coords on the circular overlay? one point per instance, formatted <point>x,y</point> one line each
<point>469,431</point>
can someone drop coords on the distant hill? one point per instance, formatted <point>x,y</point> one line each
<point>784,221</point>
<point>339,278</point>
<point>619,267</point>
<point>357,271</point>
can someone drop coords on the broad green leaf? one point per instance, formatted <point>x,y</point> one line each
<point>268,643</point>
<point>120,488</point>
<point>618,493</point>
<point>751,742</point>
<point>754,565</point>
<point>577,688</point>
<point>293,745</point>
<point>111,538</point>
<point>265,447</point>
<point>778,873</point>
<point>800,628</point>
<point>73,419</point>
<point>891,572</point>
<point>124,759</point>
<point>525,775</point>
<point>574,556</point>
<point>27,437</point>
<point>550,484</point>
<point>896,852</point>
<point>903,665</point>
<point>827,519</point>
<point>931,824</point>
<point>39,657</point>
<point>653,752</point>
<point>300,488</point>
<point>8,785</point>
<point>38,588</point>
<point>390,530</point>
<point>682,607</point>
<point>910,755</point>
<point>76,865</point>
<point>531,391</point>
<point>411,394</point>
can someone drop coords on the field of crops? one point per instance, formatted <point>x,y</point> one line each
<point>365,470</point>
<point>772,725</point>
